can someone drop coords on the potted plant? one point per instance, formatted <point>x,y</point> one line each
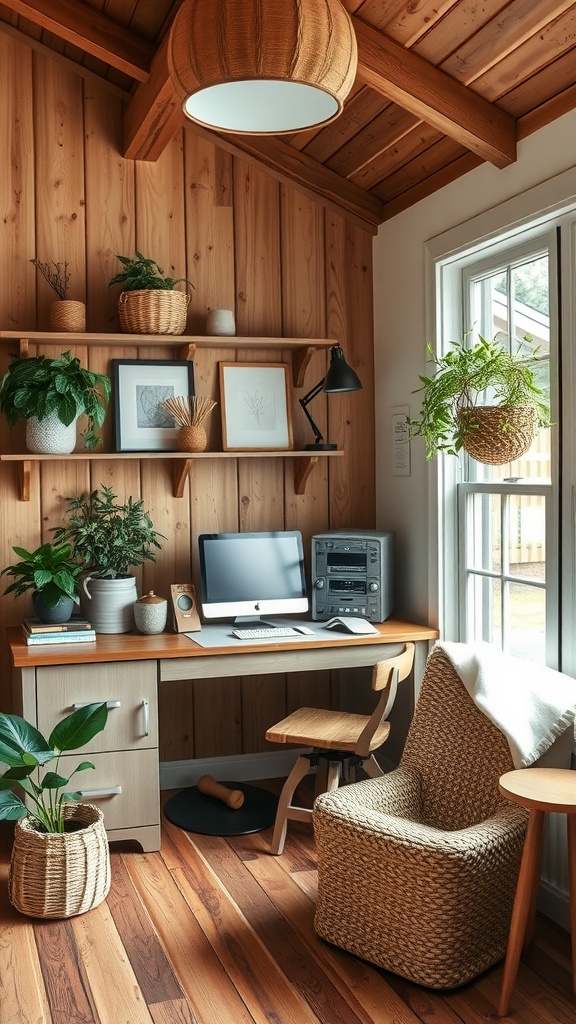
<point>60,862</point>
<point>52,576</point>
<point>50,394</point>
<point>453,417</point>
<point>109,538</point>
<point>149,302</point>
<point>65,314</point>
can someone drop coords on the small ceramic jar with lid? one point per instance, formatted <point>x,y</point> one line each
<point>150,613</point>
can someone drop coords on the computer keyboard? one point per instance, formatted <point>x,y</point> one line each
<point>269,632</point>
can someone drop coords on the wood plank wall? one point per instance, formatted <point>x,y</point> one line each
<point>283,263</point>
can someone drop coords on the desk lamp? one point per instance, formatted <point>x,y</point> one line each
<point>340,378</point>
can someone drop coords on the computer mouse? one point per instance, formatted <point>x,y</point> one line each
<point>304,629</point>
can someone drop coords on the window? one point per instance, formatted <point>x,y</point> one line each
<point>500,524</point>
<point>503,510</point>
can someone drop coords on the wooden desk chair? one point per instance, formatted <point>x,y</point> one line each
<point>339,740</point>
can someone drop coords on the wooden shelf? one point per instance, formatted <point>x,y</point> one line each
<point>302,348</point>
<point>304,462</point>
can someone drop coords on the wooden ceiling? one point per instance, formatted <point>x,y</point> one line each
<point>442,86</point>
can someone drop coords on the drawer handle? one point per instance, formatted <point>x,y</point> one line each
<point>146,709</point>
<point>109,704</point>
<point>94,793</point>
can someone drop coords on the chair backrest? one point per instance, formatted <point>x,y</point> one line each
<point>456,750</point>
<point>385,678</point>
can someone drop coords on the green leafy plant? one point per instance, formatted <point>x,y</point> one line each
<point>56,274</point>
<point>25,751</point>
<point>49,570</point>
<point>461,377</point>
<point>108,537</point>
<point>38,386</point>
<point>142,273</point>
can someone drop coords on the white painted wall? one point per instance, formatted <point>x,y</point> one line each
<point>402,328</point>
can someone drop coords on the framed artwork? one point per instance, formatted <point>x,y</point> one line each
<point>140,385</point>
<point>255,406</point>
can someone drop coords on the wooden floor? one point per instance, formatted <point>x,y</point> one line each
<point>217,931</point>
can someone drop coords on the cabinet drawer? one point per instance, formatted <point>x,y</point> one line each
<point>132,686</point>
<point>135,773</point>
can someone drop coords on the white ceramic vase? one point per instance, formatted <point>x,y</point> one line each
<point>50,436</point>
<point>221,323</point>
<point>109,604</point>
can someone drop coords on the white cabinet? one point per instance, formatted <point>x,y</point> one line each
<point>125,782</point>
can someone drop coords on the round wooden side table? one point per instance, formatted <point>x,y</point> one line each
<point>541,790</point>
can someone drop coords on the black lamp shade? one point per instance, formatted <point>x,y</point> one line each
<point>340,376</point>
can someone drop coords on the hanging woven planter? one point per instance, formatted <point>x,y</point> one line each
<point>497,434</point>
<point>60,874</point>
<point>153,311</point>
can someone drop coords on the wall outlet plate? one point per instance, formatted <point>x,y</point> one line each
<point>184,608</point>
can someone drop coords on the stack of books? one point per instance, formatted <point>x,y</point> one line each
<point>76,630</point>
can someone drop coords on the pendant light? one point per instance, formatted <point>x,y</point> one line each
<point>261,67</point>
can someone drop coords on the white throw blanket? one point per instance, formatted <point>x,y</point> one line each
<point>531,704</point>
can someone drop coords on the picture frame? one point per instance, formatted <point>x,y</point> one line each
<point>255,407</point>
<point>140,385</point>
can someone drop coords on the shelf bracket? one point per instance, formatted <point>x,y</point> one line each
<point>23,347</point>
<point>180,472</point>
<point>188,352</point>
<point>25,473</point>
<point>302,470</point>
<point>300,359</point>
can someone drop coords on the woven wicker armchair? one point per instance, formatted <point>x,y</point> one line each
<point>417,869</point>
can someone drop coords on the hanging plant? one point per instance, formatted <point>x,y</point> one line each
<point>453,410</point>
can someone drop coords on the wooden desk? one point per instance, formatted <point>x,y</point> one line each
<point>48,682</point>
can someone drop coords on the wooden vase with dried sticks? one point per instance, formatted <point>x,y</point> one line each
<point>190,413</point>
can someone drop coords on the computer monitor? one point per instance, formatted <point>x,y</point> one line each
<point>245,576</point>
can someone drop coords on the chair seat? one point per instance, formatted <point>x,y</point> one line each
<point>331,730</point>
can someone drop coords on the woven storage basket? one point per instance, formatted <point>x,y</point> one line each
<point>68,315</point>
<point>59,875</point>
<point>498,434</point>
<point>153,311</point>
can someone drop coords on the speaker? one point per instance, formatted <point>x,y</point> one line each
<point>184,609</point>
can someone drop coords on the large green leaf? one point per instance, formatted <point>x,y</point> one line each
<point>11,807</point>
<point>53,781</point>
<point>16,775</point>
<point>79,727</point>
<point>21,743</point>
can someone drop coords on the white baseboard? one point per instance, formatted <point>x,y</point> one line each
<point>236,768</point>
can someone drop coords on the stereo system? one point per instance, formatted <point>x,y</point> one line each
<point>352,574</point>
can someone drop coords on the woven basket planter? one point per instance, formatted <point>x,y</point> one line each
<point>153,311</point>
<point>60,875</point>
<point>498,434</point>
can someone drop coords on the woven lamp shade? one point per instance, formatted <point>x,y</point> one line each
<point>262,66</point>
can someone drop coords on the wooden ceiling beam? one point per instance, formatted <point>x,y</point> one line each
<point>91,31</point>
<point>300,171</point>
<point>416,85</point>
<point>154,113</point>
